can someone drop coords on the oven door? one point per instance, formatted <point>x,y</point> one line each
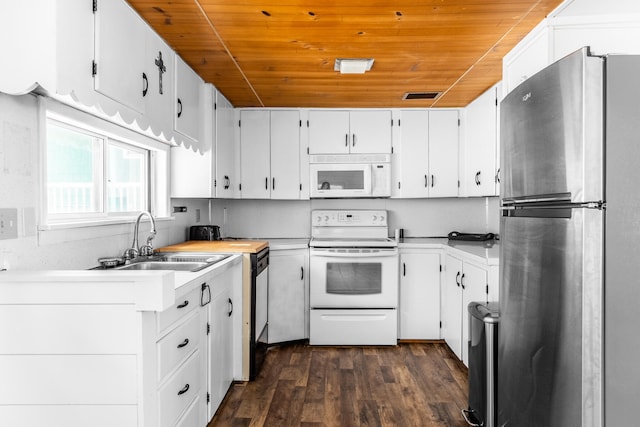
<point>340,179</point>
<point>353,278</point>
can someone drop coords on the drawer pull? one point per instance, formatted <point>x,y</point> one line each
<point>183,343</point>
<point>184,304</point>
<point>230,308</point>
<point>184,390</point>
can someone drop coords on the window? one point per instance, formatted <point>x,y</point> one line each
<point>99,172</point>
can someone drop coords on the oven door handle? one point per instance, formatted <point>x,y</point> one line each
<point>386,253</point>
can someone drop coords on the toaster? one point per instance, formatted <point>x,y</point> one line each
<point>204,232</point>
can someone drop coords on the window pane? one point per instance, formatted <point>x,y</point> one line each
<point>74,165</point>
<point>126,179</point>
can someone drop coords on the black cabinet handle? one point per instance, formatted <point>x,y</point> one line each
<point>398,185</point>
<point>230,307</point>
<point>477,178</point>
<point>353,144</point>
<point>180,107</point>
<point>404,269</point>
<point>145,85</point>
<point>266,183</point>
<point>301,273</point>
<point>227,182</point>
<point>462,281</point>
<point>184,304</point>
<point>426,181</point>
<point>273,183</point>
<point>184,343</point>
<point>204,288</point>
<point>433,181</point>
<point>457,276</point>
<point>184,389</point>
<point>346,140</point>
<point>498,176</point>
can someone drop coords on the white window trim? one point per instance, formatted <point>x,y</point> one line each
<point>159,200</point>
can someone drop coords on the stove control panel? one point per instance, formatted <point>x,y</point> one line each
<point>349,218</point>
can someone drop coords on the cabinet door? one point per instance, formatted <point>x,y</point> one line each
<point>474,288</point>
<point>329,132</point>
<point>187,103</point>
<point>220,343</point>
<point>287,278</point>
<point>443,153</point>
<point>285,154</point>
<point>452,305</point>
<point>419,296</point>
<point>191,173</point>
<point>370,132</point>
<point>255,154</point>
<point>158,69</point>
<point>478,172</point>
<point>227,153</point>
<point>413,153</point>
<point>120,46</point>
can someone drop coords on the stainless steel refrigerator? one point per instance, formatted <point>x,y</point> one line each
<point>568,343</point>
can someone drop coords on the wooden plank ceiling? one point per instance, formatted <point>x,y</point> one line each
<point>281,53</point>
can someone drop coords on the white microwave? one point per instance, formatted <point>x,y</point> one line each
<point>349,175</point>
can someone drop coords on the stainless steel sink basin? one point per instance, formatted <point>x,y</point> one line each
<point>177,261</point>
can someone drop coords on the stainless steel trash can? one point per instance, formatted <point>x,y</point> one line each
<point>483,361</point>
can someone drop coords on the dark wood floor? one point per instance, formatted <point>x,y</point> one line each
<point>412,384</point>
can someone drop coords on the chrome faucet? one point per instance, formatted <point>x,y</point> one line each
<point>147,249</point>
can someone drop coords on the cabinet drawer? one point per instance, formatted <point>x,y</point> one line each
<point>181,308</point>
<point>193,416</point>
<point>180,390</point>
<point>177,345</point>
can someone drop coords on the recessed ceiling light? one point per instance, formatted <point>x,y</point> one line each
<point>353,65</point>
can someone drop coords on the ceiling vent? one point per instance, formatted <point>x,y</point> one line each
<point>421,95</point>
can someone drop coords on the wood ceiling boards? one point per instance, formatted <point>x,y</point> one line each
<point>282,53</point>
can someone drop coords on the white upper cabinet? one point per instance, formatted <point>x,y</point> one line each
<point>270,154</point>
<point>255,154</point>
<point>443,153</point>
<point>285,154</point>
<point>120,54</point>
<point>187,100</point>
<point>227,158</point>
<point>411,155</point>
<point>159,76</point>
<point>479,171</point>
<point>427,154</point>
<point>344,132</point>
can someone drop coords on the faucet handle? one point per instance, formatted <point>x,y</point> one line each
<point>130,253</point>
<point>146,250</point>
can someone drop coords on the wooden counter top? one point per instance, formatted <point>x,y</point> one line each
<point>228,246</point>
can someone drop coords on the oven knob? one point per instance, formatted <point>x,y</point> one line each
<point>374,218</point>
<point>382,218</point>
<point>318,219</point>
<point>326,218</point>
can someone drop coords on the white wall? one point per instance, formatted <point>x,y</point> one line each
<point>75,248</point>
<point>292,219</point>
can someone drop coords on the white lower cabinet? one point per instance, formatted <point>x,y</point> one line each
<point>288,295</point>
<point>80,354</point>
<point>463,283</point>
<point>221,312</point>
<point>419,295</point>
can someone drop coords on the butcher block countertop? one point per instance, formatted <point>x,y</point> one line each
<point>229,246</point>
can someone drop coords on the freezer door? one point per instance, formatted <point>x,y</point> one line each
<point>551,132</point>
<point>549,340</point>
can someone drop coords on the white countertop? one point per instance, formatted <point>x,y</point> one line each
<point>147,290</point>
<point>284,244</point>
<point>485,252</point>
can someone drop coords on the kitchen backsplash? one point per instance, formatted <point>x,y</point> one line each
<point>419,217</point>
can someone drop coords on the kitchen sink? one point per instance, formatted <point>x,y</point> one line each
<point>177,261</point>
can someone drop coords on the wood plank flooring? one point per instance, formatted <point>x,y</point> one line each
<point>412,384</point>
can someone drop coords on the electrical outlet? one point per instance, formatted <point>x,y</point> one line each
<point>8,223</point>
<point>197,215</point>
